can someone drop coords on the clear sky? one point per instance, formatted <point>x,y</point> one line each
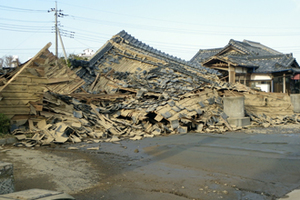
<point>177,27</point>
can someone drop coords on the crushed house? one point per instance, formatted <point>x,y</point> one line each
<point>254,65</point>
<point>127,90</point>
<point>125,54</point>
<point>23,88</point>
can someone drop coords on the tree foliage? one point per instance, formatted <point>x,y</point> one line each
<point>4,123</point>
<point>7,61</point>
<point>70,58</point>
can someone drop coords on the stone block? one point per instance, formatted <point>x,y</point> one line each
<point>9,140</point>
<point>6,178</point>
<point>234,106</point>
<point>295,99</point>
<point>239,122</point>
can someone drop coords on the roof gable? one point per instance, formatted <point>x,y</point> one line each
<point>128,42</point>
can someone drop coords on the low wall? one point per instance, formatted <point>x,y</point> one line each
<point>295,99</point>
<point>6,178</point>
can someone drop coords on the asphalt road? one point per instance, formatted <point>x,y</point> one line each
<point>254,164</point>
<point>259,164</point>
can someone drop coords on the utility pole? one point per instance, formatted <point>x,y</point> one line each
<point>56,30</point>
<point>58,13</point>
<point>63,47</point>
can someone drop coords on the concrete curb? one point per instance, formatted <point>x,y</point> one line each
<point>9,140</point>
<point>293,195</point>
<point>6,178</point>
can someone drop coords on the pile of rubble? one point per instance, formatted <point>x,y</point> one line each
<point>139,110</point>
<point>128,90</point>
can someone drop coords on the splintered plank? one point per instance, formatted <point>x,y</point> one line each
<point>14,110</point>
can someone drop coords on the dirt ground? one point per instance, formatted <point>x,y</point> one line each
<point>260,163</point>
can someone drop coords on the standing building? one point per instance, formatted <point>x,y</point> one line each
<point>254,65</point>
<point>87,53</point>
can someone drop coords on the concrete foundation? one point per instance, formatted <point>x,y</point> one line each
<point>6,178</point>
<point>239,122</point>
<point>295,99</point>
<point>235,109</point>
<point>234,106</point>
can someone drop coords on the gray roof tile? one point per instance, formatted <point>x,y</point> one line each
<point>158,53</point>
<point>252,54</point>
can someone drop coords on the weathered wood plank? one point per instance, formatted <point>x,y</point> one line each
<point>13,102</point>
<point>26,65</point>
<point>15,111</point>
<point>22,95</point>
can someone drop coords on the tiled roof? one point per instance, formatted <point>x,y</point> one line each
<point>250,48</point>
<point>124,53</point>
<point>204,54</point>
<point>252,54</point>
<point>277,63</point>
<point>135,43</point>
<point>148,50</point>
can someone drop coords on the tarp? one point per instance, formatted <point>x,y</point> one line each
<point>296,77</point>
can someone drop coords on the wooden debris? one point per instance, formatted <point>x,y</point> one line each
<point>22,93</point>
<point>126,95</point>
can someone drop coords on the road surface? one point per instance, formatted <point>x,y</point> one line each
<point>250,164</point>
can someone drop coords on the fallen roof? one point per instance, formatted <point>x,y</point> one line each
<point>22,89</point>
<point>124,53</point>
<point>130,42</point>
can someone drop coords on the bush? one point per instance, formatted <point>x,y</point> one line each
<point>4,123</point>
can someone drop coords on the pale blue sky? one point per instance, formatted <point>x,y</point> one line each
<point>177,27</point>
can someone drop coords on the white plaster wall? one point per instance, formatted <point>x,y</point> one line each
<point>260,77</point>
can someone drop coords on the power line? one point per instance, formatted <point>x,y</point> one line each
<point>180,22</point>
<point>22,26</point>
<point>203,31</point>
<point>18,20</point>
<point>8,8</point>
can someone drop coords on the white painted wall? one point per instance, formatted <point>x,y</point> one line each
<point>261,77</point>
<point>264,87</point>
<point>86,53</point>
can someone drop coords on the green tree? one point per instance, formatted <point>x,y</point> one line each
<point>4,123</point>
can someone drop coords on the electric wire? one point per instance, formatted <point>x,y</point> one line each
<point>171,21</point>
<point>8,8</point>
<point>88,36</point>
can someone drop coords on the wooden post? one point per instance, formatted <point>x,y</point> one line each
<point>283,89</point>
<point>272,85</point>
<point>231,73</point>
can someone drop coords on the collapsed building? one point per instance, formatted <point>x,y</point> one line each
<point>127,90</point>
